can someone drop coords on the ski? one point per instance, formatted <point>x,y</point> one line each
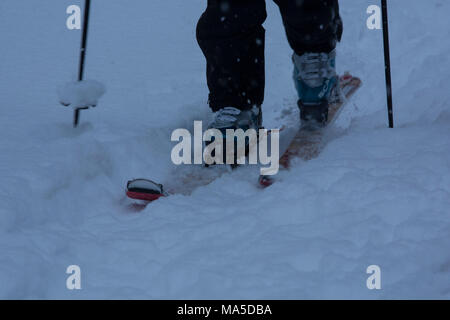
<point>307,143</point>
<point>143,191</point>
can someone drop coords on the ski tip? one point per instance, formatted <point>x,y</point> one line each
<point>143,189</point>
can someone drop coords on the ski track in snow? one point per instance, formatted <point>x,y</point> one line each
<point>373,196</point>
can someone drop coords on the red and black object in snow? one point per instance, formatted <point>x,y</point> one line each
<point>144,189</point>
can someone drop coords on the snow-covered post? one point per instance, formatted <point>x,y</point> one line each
<point>387,63</point>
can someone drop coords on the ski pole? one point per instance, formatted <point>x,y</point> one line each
<point>87,6</point>
<point>387,63</point>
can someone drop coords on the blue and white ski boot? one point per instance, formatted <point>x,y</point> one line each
<point>316,82</point>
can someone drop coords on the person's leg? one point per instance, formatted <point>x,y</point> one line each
<point>313,28</point>
<point>311,25</point>
<point>231,36</point>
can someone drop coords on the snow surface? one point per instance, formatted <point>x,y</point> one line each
<point>374,195</point>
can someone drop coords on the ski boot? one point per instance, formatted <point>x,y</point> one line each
<point>317,85</point>
<point>233,118</point>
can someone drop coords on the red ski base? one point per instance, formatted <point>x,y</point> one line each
<point>143,196</point>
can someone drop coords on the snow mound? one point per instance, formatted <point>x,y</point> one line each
<point>79,94</point>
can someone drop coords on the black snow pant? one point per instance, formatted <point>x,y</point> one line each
<point>231,36</point>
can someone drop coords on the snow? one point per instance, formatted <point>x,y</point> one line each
<point>375,196</point>
<point>79,94</point>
